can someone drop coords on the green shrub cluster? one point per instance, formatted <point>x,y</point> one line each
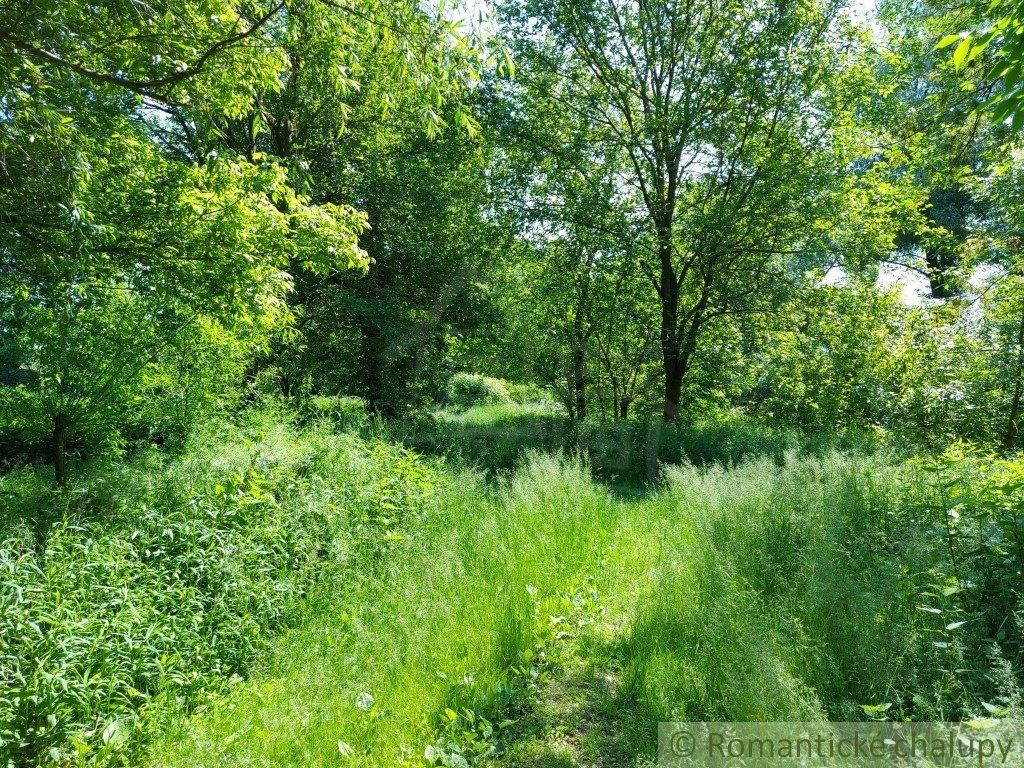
<point>468,389</point>
<point>157,583</point>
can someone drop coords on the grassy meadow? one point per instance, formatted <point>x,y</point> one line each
<point>303,596</point>
<point>481,383</point>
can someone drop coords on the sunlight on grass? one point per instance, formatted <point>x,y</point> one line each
<point>716,600</point>
<point>435,624</point>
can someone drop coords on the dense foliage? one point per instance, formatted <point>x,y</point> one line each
<point>153,585</point>
<point>712,312</point>
<point>211,201</point>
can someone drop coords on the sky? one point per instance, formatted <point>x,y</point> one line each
<point>470,10</point>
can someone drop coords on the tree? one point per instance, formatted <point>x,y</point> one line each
<point>1000,39</point>
<point>1001,296</point>
<point>726,114</point>
<point>121,259</point>
<point>627,341</point>
<point>156,185</point>
<point>555,185</point>
<point>388,335</point>
<point>383,334</point>
<point>932,136</point>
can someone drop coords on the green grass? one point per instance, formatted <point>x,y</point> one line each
<point>441,623</point>
<point>145,587</point>
<point>352,604</point>
<point>496,436</point>
<point>739,594</point>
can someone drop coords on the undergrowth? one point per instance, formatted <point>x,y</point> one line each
<point>306,598</point>
<point>147,587</point>
<point>496,437</point>
<point>442,626</point>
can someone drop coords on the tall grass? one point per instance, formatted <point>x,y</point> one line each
<point>439,624</point>
<point>496,437</point>
<point>803,592</point>
<point>752,593</point>
<point>789,586</point>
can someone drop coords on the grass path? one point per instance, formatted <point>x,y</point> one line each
<point>580,713</point>
<point>552,623</point>
<point>579,716</point>
<point>440,624</point>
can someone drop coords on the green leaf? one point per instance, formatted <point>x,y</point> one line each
<point>947,41</point>
<point>993,709</point>
<point>961,53</point>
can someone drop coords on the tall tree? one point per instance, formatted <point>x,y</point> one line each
<point>556,187</point>
<point>931,135</point>
<point>152,183</point>
<point>726,113</point>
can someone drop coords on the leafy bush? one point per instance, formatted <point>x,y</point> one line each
<point>344,413</point>
<point>161,581</point>
<point>531,394</point>
<point>468,389</point>
<point>972,505</point>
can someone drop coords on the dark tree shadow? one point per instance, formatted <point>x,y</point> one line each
<point>584,717</point>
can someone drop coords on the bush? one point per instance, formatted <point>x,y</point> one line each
<point>162,580</point>
<point>344,413</point>
<point>468,389</point>
<point>530,394</point>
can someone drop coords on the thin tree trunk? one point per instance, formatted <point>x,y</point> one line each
<point>669,295</point>
<point>579,382</point>
<point>372,368</point>
<point>624,402</point>
<point>1013,421</point>
<point>938,265</point>
<point>60,447</point>
<point>673,389</point>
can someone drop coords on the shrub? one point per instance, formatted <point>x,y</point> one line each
<point>162,580</point>
<point>527,394</point>
<point>468,389</point>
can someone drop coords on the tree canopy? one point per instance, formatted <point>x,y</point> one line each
<point>658,207</point>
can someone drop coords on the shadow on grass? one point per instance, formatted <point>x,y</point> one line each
<point>582,717</point>
<point>626,455</point>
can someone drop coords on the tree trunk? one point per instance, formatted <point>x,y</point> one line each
<point>614,381</point>
<point>624,402</point>
<point>60,447</point>
<point>940,280</point>
<point>372,368</point>
<point>1013,421</point>
<point>670,347</point>
<point>949,208</point>
<point>673,389</point>
<point>579,382</point>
